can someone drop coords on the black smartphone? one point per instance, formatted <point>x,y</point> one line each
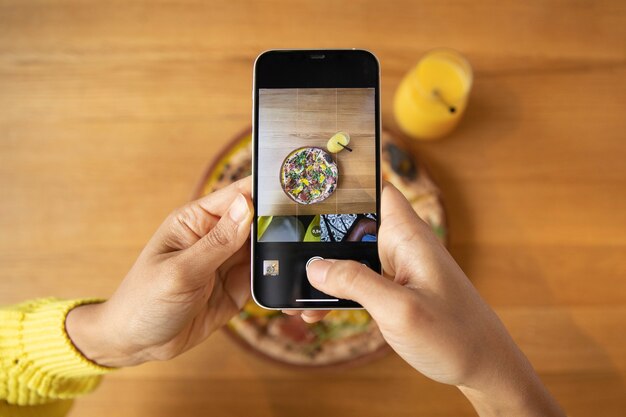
<point>316,170</point>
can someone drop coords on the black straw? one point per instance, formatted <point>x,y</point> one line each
<point>344,146</point>
<point>437,94</point>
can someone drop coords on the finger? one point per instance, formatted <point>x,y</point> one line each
<point>354,281</point>
<point>310,316</point>
<point>219,201</point>
<point>225,239</point>
<point>313,316</point>
<point>402,234</point>
<point>237,284</point>
<point>188,224</point>
<point>242,256</point>
<point>292,312</point>
<point>236,273</point>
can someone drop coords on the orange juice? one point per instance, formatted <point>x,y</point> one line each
<point>432,97</point>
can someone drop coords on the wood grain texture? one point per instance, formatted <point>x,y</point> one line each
<point>293,118</point>
<point>109,112</point>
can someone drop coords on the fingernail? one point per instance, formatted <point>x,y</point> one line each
<point>317,270</point>
<point>308,317</point>
<point>238,209</point>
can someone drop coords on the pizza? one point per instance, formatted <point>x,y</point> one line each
<point>309,175</point>
<point>343,337</point>
<point>410,177</point>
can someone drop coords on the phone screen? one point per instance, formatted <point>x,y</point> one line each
<point>317,185</point>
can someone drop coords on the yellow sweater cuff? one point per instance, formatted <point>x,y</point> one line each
<point>39,362</point>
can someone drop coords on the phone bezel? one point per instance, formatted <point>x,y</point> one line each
<point>312,68</point>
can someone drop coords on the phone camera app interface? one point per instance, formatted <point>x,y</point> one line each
<point>317,177</point>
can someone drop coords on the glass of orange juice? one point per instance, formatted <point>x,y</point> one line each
<point>432,97</point>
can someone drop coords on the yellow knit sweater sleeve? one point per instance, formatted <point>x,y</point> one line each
<point>40,369</point>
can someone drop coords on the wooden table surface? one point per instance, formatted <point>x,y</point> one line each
<point>110,110</point>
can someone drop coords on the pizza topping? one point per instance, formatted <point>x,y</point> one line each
<point>292,328</point>
<point>401,162</point>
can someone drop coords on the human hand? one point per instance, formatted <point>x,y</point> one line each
<point>190,279</point>
<point>433,317</point>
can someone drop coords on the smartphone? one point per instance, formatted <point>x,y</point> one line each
<point>316,170</point>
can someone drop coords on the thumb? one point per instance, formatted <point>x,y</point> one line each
<point>354,281</point>
<point>222,241</point>
<point>403,235</point>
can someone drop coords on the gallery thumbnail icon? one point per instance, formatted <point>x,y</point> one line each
<point>270,268</point>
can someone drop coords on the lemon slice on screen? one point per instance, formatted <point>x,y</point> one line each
<point>335,143</point>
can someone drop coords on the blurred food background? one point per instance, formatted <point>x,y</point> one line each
<point>110,111</point>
